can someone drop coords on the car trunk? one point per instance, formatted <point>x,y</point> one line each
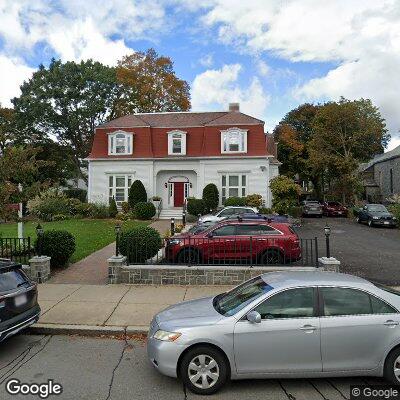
<point>17,293</point>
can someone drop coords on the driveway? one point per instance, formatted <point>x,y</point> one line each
<point>102,368</point>
<point>373,253</point>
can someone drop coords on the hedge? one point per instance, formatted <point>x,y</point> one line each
<point>195,206</point>
<point>235,201</point>
<point>144,210</point>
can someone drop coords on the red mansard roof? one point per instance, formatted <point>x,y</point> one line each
<point>203,134</point>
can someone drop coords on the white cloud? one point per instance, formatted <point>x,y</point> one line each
<point>12,73</point>
<point>263,68</point>
<point>207,60</point>
<point>216,88</point>
<point>361,38</point>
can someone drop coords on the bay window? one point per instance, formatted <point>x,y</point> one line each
<point>118,187</point>
<point>234,140</point>
<point>233,185</point>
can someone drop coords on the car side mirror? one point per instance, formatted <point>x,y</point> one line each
<point>210,235</point>
<point>254,317</point>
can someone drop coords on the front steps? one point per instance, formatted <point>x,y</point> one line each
<point>168,213</point>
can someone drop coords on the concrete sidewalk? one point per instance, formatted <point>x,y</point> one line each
<point>115,309</point>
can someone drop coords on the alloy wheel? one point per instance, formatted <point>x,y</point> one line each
<point>396,368</point>
<point>203,371</point>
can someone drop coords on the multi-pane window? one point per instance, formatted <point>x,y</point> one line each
<point>120,143</point>
<point>118,187</point>
<point>234,140</point>
<point>233,185</point>
<point>176,143</point>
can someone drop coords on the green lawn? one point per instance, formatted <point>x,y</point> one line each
<point>90,234</point>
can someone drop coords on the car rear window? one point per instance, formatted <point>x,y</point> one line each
<point>387,288</point>
<point>11,279</point>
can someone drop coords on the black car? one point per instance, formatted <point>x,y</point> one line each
<point>376,215</point>
<point>19,307</point>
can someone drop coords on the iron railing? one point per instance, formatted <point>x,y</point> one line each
<point>17,249</point>
<point>249,251</point>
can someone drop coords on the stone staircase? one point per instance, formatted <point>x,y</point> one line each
<point>168,213</point>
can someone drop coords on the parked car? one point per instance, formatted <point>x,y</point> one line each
<point>280,325</point>
<point>18,300</point>
<point>200,227</point>
<point>258,216</point>
<point>376,215</point>
<point>226,212</point>
<point>239,240</point>
<point>311,208</point>
<point>334,209</point>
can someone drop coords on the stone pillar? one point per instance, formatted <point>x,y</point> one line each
<point>114,268</point>
<point>329,264</point>
<point>40,268</point>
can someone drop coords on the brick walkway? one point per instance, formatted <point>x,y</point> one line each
<point>93,270</point>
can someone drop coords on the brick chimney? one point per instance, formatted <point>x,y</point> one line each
<point>234,107</point>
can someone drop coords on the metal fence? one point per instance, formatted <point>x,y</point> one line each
<point>227,251</point>
<point>17,249</point>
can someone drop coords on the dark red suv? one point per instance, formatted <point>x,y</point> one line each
<point>334,209</point>
<point>258,241</point>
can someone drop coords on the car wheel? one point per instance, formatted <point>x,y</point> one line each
<point>272,256</point>
<point>203,370</point>
<point>370,224</point>
<point>392,367</point>
<point>358,220</point>
<point>188,255</point>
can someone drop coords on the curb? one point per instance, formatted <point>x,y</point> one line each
<point>87,330</point>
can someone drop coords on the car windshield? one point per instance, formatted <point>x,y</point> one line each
<point>377,208</point>
<point>236,299</point>
<point>12,279</point>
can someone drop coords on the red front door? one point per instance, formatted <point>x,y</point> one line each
<point>178,194</point>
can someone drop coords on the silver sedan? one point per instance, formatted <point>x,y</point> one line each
<point>280,325</point>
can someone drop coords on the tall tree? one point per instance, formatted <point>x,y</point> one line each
<point>7,127</point>
<point>150,84</point>
<point>66,101</point>
<point>345,134</point>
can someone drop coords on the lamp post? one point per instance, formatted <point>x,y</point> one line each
<point>327,231</point>
<point>184,218</point>
<point>117,233</point>
<point>39,233</point>
<point>172,226</point>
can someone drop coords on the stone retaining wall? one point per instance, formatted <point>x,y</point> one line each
<point>201,275</point>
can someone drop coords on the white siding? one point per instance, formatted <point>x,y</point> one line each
<point>200,172</point>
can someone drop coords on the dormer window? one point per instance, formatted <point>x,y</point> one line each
<point>176,143</point>
<point>120,142</point>
<point>234,140</point>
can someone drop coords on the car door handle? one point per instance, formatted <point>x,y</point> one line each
<point>390,322</point>
<point>309,328</point>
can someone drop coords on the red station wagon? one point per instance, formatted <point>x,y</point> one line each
<point>256,240</point>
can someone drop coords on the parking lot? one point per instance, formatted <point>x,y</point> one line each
<point>372,253</point>
<point>100,368</point>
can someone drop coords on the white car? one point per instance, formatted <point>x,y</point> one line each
<point>226,212</point>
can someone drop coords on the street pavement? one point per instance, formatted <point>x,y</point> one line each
<point>106,368</point>
<point>372,253</point>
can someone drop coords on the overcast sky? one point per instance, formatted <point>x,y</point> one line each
<point>269,55</point>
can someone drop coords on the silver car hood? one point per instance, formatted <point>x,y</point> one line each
<point>192,312</point>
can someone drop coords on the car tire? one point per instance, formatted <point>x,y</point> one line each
<point>271,257</point>
<point>186,255</point>
<point>208,365</point>
<point>370,224</point>
<point>392,362</point>
<point>358,220</point>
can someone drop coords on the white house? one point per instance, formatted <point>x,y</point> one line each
<point>175,154</point>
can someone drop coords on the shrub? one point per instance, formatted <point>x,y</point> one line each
<point>144,210</point>
<point>191,218</point>
<point>178,228</point>
<point>195,206</point>
<point>210,197</point>
<point>122,216</point>
<point>59,245</point>
<point>295,211</point>
<point>75,193</point>
<point>264,210</point>
<point>285,194</point>
<point>156,198</point>
<point>235,201</point>
<point>113,210</point>
<point>99,211</point>
<point>125,207</point>
<point>254,200</point>
<point>137,194</point>
<point>140,243</point>
<point>395,210</point>
<point>73,206</point>
<point>60,217</point>
<point>49,203</point>
<point>85,209</point>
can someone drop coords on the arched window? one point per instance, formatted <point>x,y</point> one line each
<point>120,143</point>
<point>234,140</point>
